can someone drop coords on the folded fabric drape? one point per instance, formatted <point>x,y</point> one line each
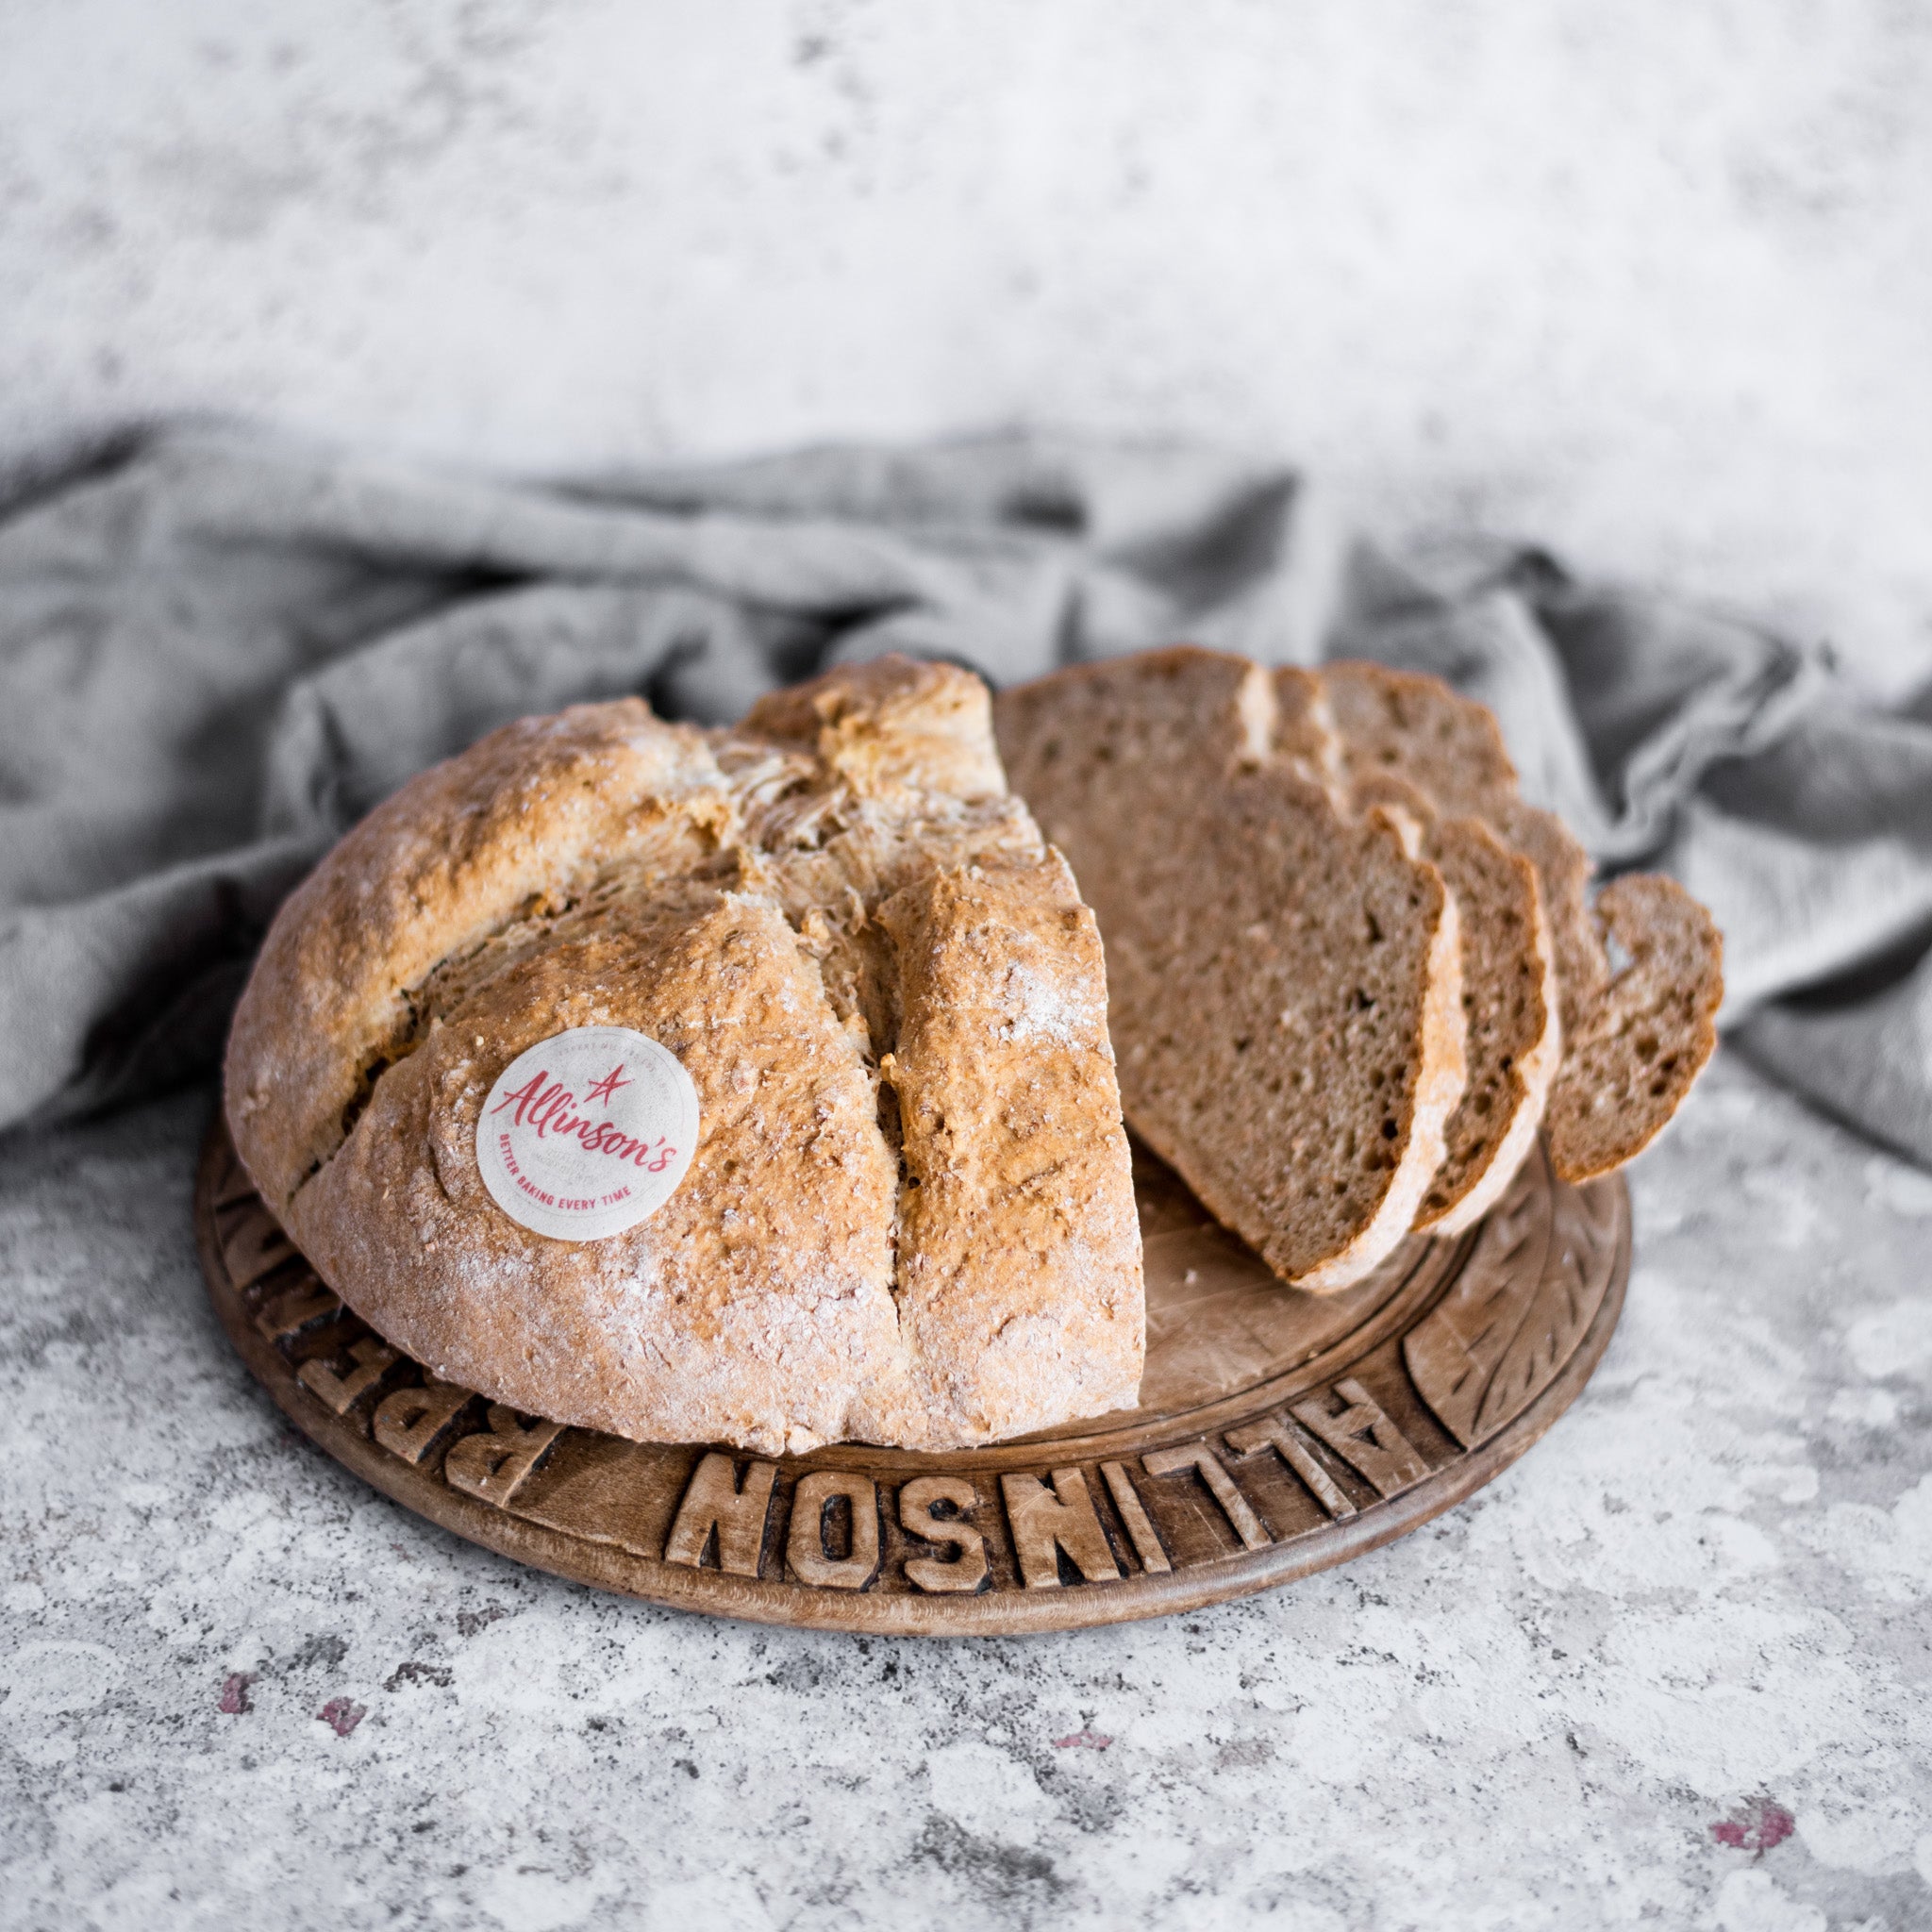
<point>222,648</point>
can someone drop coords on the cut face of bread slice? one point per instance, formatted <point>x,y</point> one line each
<point>1649,1032</point>
<point>909,1215</point>
<point>1508,994</point>
<point>1283,977</point>
<point>1623,1072</point>
<point>1510,1007</point>
<point>1509,1003</point>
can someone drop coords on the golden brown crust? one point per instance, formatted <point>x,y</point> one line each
<point>777,1247</point>
<point>892,724</point>
<point>1302,732</point>
<point>523,819</point>
<point>1004,1081</point>
<point>723,896</point>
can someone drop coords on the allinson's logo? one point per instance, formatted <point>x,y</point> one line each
<point>587,1132</point>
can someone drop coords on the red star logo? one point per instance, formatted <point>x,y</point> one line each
<point>602,1089</point>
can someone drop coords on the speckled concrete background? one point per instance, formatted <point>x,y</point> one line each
<point>1672,1669</point>
<point>1650,281</point>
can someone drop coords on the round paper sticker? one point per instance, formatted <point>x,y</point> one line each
<point>587,1132</point>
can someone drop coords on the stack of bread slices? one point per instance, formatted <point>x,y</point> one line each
<point>1351,971</point>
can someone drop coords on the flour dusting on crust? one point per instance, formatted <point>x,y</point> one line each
<point>909,1218</point>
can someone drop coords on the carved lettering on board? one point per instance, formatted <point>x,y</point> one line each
<point>231,1184</point>
<point>373,1358</point>
<point>492,1466</point>
<point>1275,1432</point>
<point>254,1246</point>
<point>1234,1505</point>
<point>1510,1321</point>
<point>714,1500</point>
<point>296,1309</point>
<point>1140,1530</point>
<point>920,1500</point>
<point>1363,1436</point>
<point>1045,1521</point>
<point>814,1504</point>
<point>410,1422</point>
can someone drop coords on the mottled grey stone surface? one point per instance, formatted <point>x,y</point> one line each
<point>1647,281</point>
<point>1701,1602</point>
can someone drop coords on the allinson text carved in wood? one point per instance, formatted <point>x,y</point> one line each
<point>1273,1456</point>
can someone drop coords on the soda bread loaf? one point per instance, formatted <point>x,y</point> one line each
<point>1284,974</point>
<point>909,1215</point>
<point>1635,1035</point>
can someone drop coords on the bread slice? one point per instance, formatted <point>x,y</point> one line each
<point>1509,1006</point>
<point>1649,1031</point>
<point>909,1217</point>
<point>1634,1039</point>
<point>1508,971</point>
<point>1284,976</point>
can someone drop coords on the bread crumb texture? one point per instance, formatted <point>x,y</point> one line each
<point>909,1219</point>
<point>1284,972</point>
<point>1352,973</point>
<point>1634,1036</point>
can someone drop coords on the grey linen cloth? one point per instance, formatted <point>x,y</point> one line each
<point>222,648</point>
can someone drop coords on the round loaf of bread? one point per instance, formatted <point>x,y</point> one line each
<point>908,1217</point>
